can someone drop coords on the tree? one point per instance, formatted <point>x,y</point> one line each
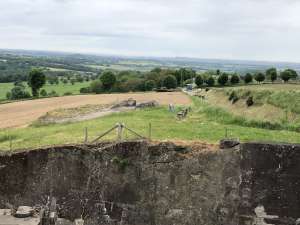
<point>235,79</point>
<point>223,79</point>
<point>294,74</point>
<point>218,72</point>
<point>108,80</point>
<point>210,81</point>
<point>149,85</point>
<point>199,80</point>
<point>286,75</point>
<point>248,78</point>
<point>36,80</point>
<point>170,82</point>
<point>271,74</point>
<point>259,77</point>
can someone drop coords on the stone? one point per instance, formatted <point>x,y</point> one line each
<point>126,103</point>
<point>149,104</point>
<point>24,212</point>
<point>79,222</point>
<point>229,143</point>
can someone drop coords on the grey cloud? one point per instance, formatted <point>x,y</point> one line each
<point>243,29</point>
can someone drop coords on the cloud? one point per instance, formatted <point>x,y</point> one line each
<point>241,29</point>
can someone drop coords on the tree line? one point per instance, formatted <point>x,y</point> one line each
<point>131,81</point>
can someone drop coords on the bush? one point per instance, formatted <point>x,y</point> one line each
<point>43,93</point>
<point>223,79</point>
<point>85,90</point>
<point>170,82</point>
<point>96,87</point>
<point>235,99</point>
<point>199,80</point>
<point>235,79</point>
<point>248,78</point>
<point>149,85</point>
<point>53,94</point>
<point>18,92</point>
<point>68,93</point>
<point>249,101</point>
<point>232,95</point>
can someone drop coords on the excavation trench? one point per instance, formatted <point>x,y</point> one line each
<point>142,183</point>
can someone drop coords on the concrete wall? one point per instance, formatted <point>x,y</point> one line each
<point>138,183</point>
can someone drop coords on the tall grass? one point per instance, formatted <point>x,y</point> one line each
<point>222,116</point>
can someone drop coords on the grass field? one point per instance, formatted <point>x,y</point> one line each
<point>60,89</point>
<point>199,125</point>
<point>280,105</point>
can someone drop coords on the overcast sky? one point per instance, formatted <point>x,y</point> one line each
<point>224,29</point>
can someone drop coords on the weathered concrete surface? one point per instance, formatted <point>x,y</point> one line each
<point>139,183</point>
<point>270,181</point>
<point>132,183</point>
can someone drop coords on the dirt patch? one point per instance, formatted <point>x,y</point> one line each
<point>77,114</point>
<point>19,114</point>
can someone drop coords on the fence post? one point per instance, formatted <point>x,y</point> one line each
<point>86,135</point>
<point>10,143</point>
<point>150,131</point>
<point>226,132</point>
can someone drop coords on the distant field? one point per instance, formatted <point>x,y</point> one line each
<point>60,88</point>
<point>23,113</point>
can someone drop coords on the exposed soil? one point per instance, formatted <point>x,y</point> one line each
<point>19,114</point>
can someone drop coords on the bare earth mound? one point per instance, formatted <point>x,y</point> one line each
<point>23,113</point>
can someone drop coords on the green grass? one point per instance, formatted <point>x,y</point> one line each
<point>60,88</point>
<point>198,126</point>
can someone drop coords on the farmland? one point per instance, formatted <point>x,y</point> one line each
<point>60,88</point>
<point>23,113</point>
<point>200,124</point>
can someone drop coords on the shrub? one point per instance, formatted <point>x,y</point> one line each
<point>43,93</point>
<point>68,93</point>
<point>223,79</point>
<point>85,90</point>
<point>235,79</point>
<point>96,87</point>
<point>199,80</point>
<point>232,95</point>
<point>235,99</point>
<point>249,101</point>
<point>53,94</point>
<point>248,78</point>
<point>18,92</point>
<point>170,82</point>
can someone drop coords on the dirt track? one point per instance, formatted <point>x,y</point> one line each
<point>23,113</point>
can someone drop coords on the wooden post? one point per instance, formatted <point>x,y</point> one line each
<point>150,131</point>
<point>120,131</point>
<point>226,132</point>
<point>86,135</point>
<point>10,143</point>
